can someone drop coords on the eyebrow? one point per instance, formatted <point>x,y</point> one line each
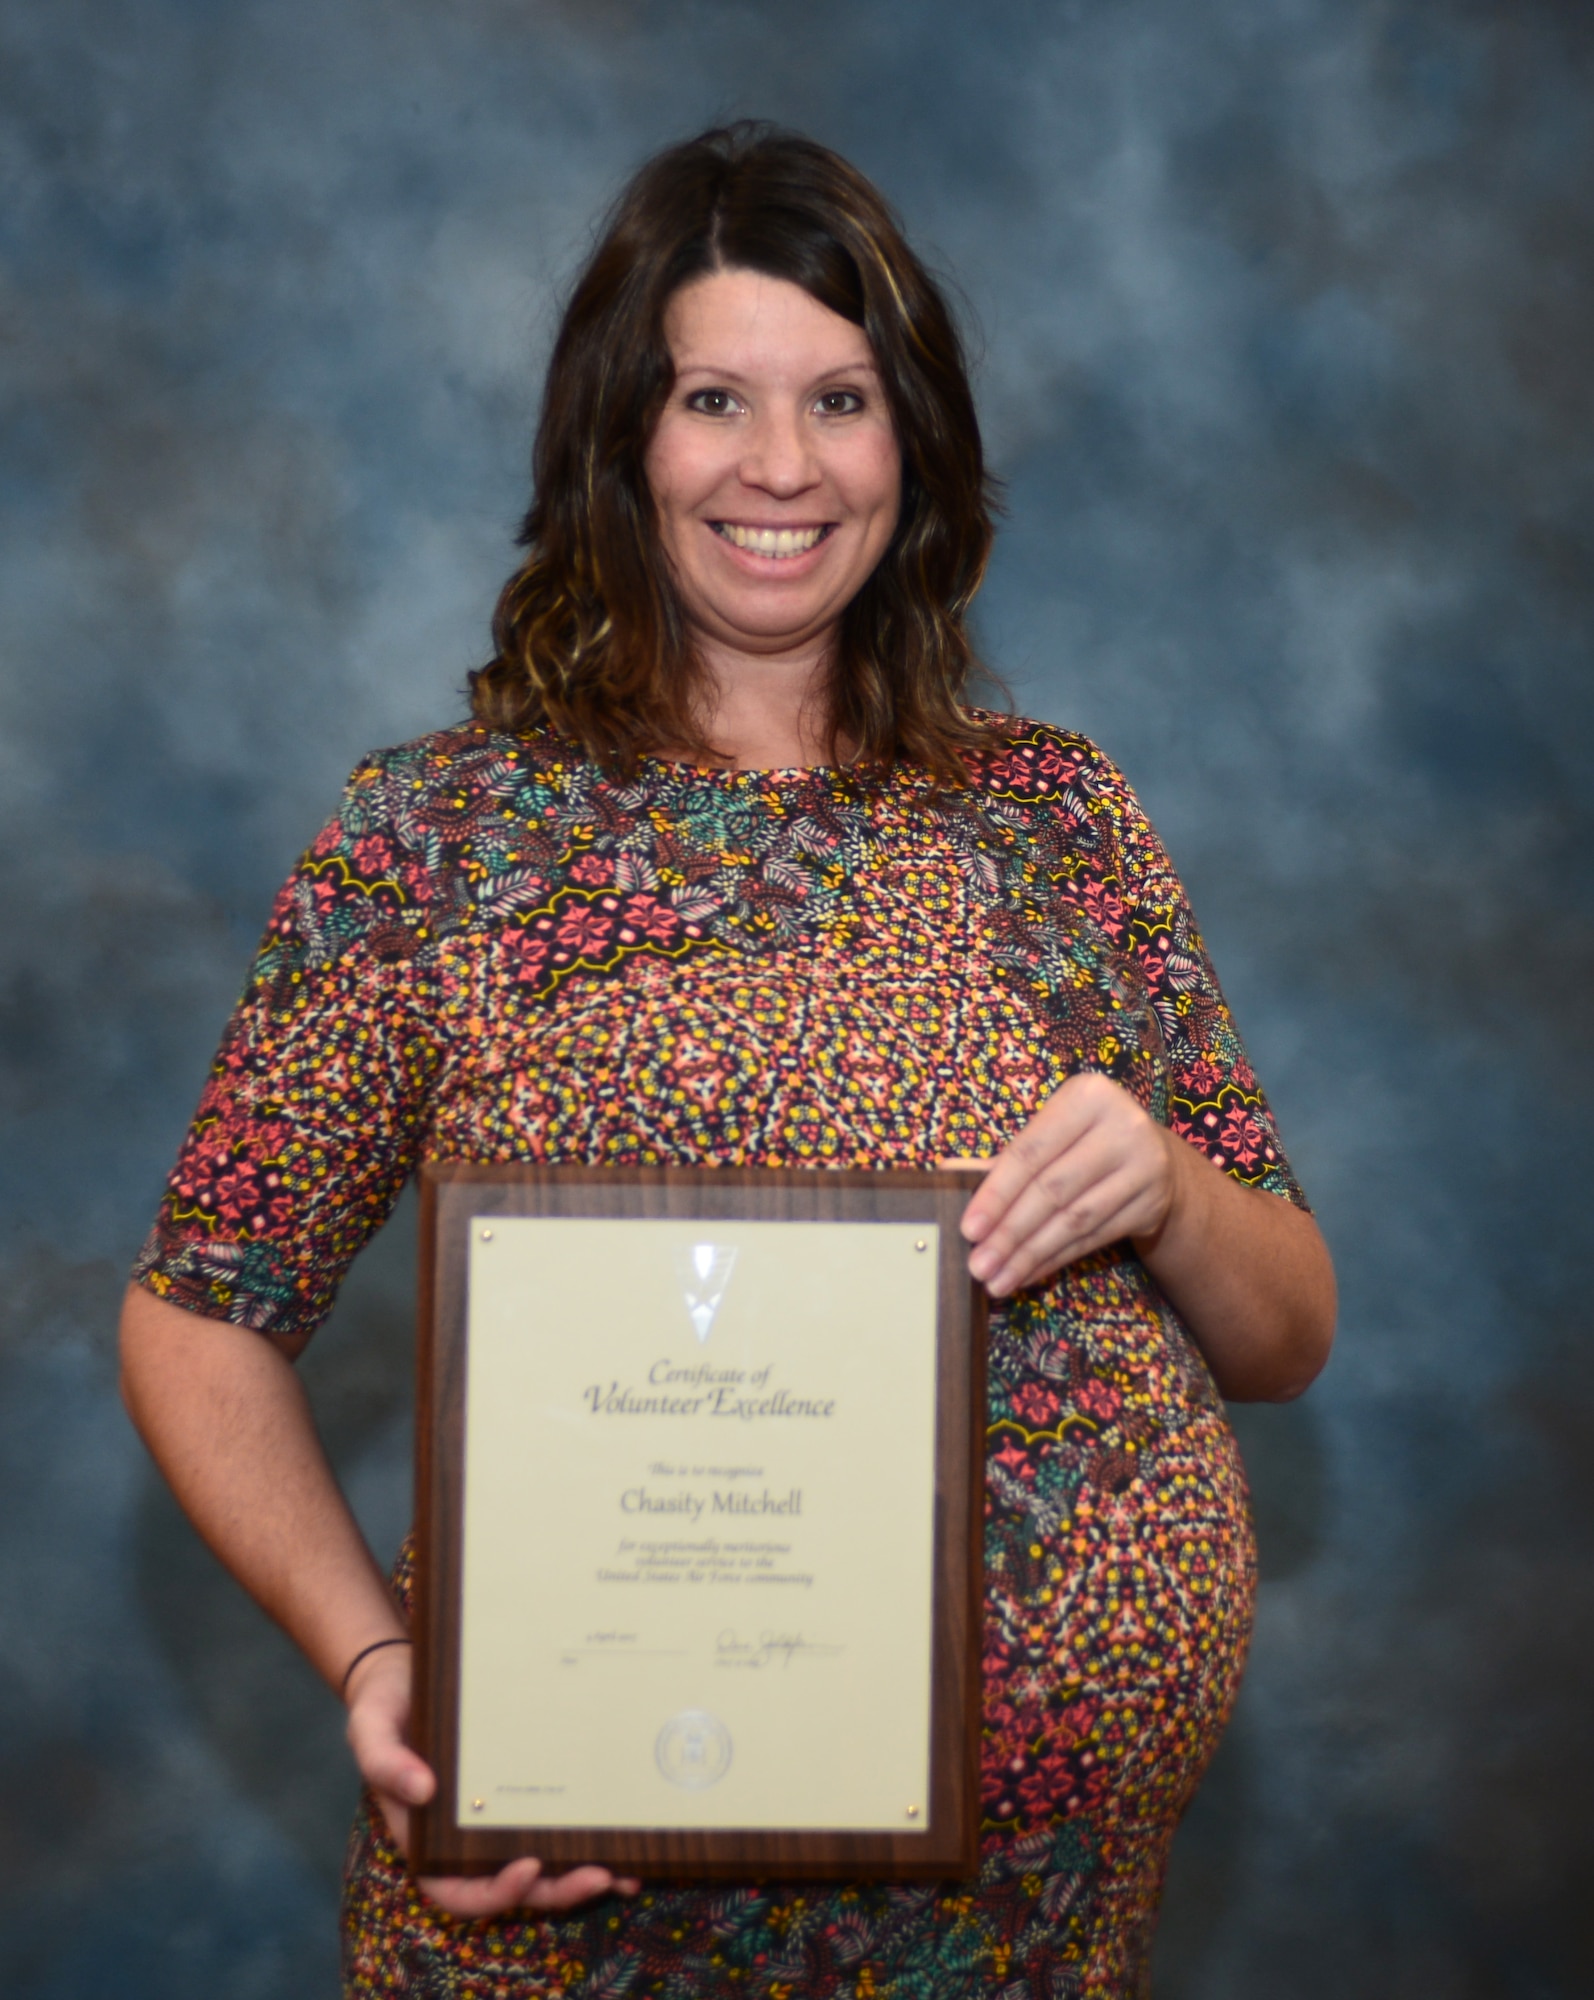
<point>722,374</point>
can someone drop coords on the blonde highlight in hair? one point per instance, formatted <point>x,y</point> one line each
<point>589,632</point>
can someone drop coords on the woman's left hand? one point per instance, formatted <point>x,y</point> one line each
<point>1248,1272</point>
<point>1090,1168</point>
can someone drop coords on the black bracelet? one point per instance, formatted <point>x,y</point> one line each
<point>364,1653</point>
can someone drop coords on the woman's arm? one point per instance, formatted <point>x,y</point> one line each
<point>226,1420</point>
<point>1248,1272</point>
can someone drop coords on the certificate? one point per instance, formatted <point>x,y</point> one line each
<point>698,1587</point>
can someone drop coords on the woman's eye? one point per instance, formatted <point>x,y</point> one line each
<point>840,403</point>
<point>711,402</point>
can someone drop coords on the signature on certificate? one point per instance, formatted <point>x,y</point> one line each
<point>769,1649</point>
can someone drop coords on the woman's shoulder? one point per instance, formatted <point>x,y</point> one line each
<point>418,822</point>
<point>465,754</point>
<point>446,779</point>
<point>1031,761</point>
<point>414,808</point>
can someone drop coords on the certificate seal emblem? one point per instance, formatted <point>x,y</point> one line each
<point>694,1750</point>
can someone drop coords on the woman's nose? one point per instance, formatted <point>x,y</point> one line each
<point>779,456</point>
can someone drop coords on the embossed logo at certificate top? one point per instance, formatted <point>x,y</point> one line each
<point>705,1271</point>
<point>694,1750</point>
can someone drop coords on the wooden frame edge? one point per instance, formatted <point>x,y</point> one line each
<point>438,1844</point>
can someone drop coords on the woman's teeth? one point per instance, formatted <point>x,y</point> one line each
<point>775,542</point>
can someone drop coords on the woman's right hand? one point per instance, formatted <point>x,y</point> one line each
<point>378,1699</point>
<point>228,1423</point>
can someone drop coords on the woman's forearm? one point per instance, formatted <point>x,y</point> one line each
<point>227,1421</point>
<point>1250,1276</point>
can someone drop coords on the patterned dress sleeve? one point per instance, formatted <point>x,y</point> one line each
<point>317,1104</point>
<point>1214,1099</point>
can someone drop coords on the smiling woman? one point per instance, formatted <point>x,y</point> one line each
<point>777,480</point>
<point>724,872</point>
<point>752,351</point>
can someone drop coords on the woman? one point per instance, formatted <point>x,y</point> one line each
<point>724,872</point>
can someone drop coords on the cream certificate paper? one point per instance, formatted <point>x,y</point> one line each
<point>698,1524</point>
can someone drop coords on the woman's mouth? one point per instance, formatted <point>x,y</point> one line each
<point>776,542</point>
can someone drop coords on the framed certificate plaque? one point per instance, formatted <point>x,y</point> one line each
<point>699,1497</point>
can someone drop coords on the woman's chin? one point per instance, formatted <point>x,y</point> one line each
<point>768,630</point>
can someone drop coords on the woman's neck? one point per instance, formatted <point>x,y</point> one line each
<point>770,712</point>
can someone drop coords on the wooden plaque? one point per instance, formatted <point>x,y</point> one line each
<point>699,1522</point>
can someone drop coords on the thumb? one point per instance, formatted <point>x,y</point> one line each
<point>402,1774</point>
<point>386,1761</point>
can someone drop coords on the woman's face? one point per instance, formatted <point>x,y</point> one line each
<point>774,467</point>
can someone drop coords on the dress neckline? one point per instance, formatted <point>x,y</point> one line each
<point>679,768</point>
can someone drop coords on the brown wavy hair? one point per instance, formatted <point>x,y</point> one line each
<point>590,633</point>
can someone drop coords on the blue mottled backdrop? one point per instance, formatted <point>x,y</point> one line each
<point>1287,313</point>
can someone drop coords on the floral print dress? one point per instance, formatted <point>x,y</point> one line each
<point>496,952</point>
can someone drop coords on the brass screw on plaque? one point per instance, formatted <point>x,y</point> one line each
<point>487,1236</point>
<point>921,1244</point>
<point>478,1805</point>
<point>913,1812</point>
